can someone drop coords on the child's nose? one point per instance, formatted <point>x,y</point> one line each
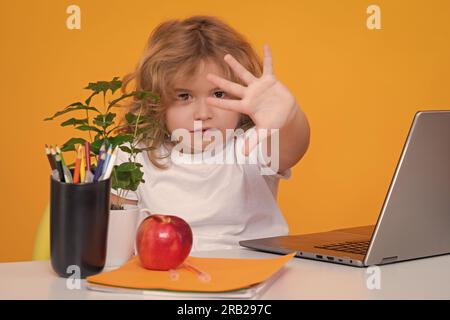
<point>202,111</point>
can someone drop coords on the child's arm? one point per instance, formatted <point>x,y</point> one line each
<point>270,105</point>
<point>294,140</point>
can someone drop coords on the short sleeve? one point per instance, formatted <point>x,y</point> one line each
<point>122,157</point>
<point>286,174</point>
<point>258,156</point>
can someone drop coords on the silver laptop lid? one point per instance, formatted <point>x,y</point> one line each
<point>415,216</point>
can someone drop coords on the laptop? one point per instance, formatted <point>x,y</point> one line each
<point>414,220</point>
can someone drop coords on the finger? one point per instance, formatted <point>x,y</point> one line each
<point>228,86</point>
<point>243,73</point>
<point>267,65</point>
<point>227,104</point>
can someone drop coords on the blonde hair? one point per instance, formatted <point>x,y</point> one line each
<point>178,47</point>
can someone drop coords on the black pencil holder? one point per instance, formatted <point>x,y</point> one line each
<point>79,215</point>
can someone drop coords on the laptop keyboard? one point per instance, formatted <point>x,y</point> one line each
<point>358,247</point>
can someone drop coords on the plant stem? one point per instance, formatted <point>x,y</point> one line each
<point>133,145</point>
<point>132,157</point>
<point>105,134</point>
<point>120,200</point>
<point>87,117</point>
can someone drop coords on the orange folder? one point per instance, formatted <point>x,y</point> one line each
<point>225,274</point>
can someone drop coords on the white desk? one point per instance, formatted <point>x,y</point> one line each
<point>300,279</point>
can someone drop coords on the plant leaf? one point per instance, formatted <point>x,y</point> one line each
<point>145,95</point>
<point>86,128</point>
<point>104,120</point>
<point>104,86</point>
<point>96,145</point>
<point>98,136</point>
<point>121,139</point>
<point>114,102</point>
<point>73,107</point>
<point>88,100</point>
<point>69,145</point>
<point>74,122</point>
<point>125,149</point>
<point>132,119</point>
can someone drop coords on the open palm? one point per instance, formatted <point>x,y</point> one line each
<point>267,101</point>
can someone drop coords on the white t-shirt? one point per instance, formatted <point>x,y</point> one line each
<point>223,203</point>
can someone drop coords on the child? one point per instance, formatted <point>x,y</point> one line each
<point>205,71</point>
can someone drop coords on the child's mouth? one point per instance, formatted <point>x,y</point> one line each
<point>203,130</point>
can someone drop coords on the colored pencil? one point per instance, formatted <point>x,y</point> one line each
<point>87,148</point>
<point>102,150</point>
<point>50,158</point>
<point>108,156</point>
<point>89,176</point>
<point>67,174</point>
<point>53,152</point>
<point>66,171</point>
<point>55,174</point>
<point>111,162</point>
<point>87,152</point>
<point>76,173</point>
<point>99,169</point>
<point>58,151</point>
<point>97,160</point>
<point>82,166</point>
<point>59,168</point>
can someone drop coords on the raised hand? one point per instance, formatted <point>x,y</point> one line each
<point>267,101</point>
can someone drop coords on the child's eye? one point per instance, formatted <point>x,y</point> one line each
<point>183,96</point>
<point>221,94</point>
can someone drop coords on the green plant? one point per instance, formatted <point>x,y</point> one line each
<point>128,175</point>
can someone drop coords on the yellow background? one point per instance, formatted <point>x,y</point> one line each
<point>360,89</point>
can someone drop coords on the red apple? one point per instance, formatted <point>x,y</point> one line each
<point>163,242</point>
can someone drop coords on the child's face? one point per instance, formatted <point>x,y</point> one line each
<point>190,105</point>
